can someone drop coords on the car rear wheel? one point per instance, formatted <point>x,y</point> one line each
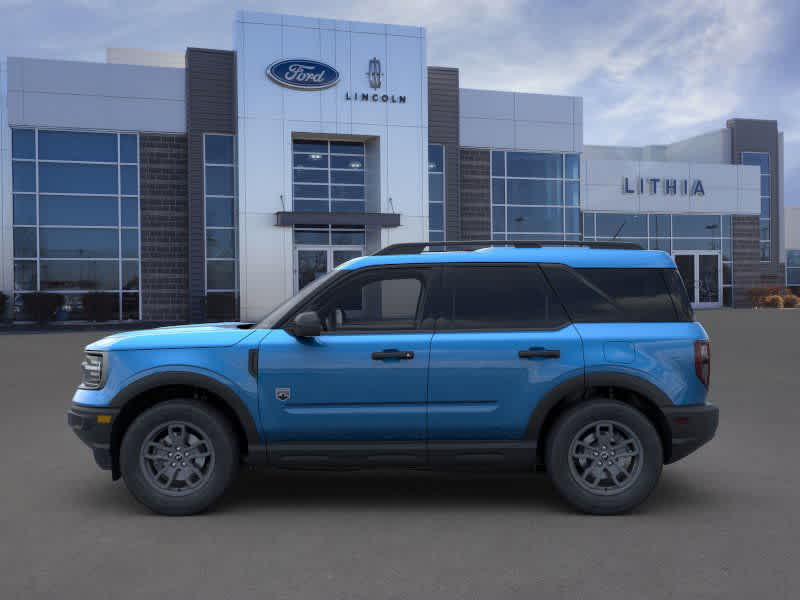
<point>178,457</point>
<point>604,457</point>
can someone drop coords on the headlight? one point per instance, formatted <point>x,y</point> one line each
<point>92,371</point>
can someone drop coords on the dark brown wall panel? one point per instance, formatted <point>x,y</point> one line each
<point>443,114</point>
<point>475,200</point>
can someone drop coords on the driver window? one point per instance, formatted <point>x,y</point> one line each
<point>372,302</point>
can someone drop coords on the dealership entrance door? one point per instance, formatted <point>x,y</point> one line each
<point>702,273</point>
<point>311,262</point>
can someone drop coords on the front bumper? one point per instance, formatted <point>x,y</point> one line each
<point>93,427</point>
<point>691,426</point>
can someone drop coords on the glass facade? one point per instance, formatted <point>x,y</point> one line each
<point>222,277</point>
<point>76,220</point>
<point>328,176</point>
<point>435,192</point>
<point>535,196</point>
<point>672,233</point>
<point>761,160</point>
<point>793,268</point>
<point>321,248</point>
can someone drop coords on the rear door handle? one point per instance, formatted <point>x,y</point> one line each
<point>386,354</point>
<point>539,353</point>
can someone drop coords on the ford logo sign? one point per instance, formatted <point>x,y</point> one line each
<point>303,74</point>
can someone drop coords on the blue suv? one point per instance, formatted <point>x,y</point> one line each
<point>582,359</point>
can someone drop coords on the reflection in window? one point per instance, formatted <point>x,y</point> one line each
<point>761,160</point>
<point>221,235</point>
<point>793,268</point>
<point>535,195</point>
<point>436,192</point>
<point>328,176</point>
<point>76,226</point>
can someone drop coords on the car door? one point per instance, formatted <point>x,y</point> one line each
<point>502,342</point>
<point>364,379</point>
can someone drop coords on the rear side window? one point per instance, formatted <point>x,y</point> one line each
<point>498,297</point>
<point>617,295</point>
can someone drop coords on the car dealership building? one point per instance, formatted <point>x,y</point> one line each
<point>213,185</point>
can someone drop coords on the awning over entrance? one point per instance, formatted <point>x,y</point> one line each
<point>288,219</point>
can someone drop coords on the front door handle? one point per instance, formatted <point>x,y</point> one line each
<point>539,353</point>
<point>386,354</point>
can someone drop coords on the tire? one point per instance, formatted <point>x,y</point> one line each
<point>165,433</point>
<point>628,449</point>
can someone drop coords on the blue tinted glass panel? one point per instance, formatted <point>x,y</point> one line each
<point>220,243</point>
<point>498,218</point>
<point>24,209</point>
<point>219,212</point>
<point>436,216</point>
<point>219,149</point>
<point>765,207</point>
<point>526,191</point>
<point>23,143</point>
<point>310,191</point>
<point>311,237</point>
<point>319,161</point>
<point>664,244</point>
<point>347,192</point>
<point>23,176</point>
<point>572,190</point>
<point>346,162</point>
<point>74,145</point>
<point>310,146</point>
<point>311,175</point>
<point>77,179</point>
<point>793,258</point>
<point>573,166</point>
<point>347,148</point>
<point>348,206</point>
<point>695,244</point>
<point>311,205</point>
<point>535,220</point>
<point>25,275</point>
<point>727,249</point>
<point>572,237</point>
<point>128,148</point>
<point>129,180</point>
<point>79,275</point>
<point>660,226</point>
<point>130,212</point>
<point>78,243</point>
<point>436,236</point>
<point>696,225</point>
<point>436,187</point>
<point>793,277</point>
<point>588,225</point>
<point>25,242</point>
<point>435,158</point>
<point>621,225</point>
<point>763,228</point>
<point>726,225</point>
<point>356,177</point>
<point>130,275</point>
<point>498,191</point>
<point>765,185</point>
<point>77,210</point>
<point>130,307</point>
<point>219,181</point>
<point>759,159</point>
<point>348,238</point>
<point>221,274</point>
<point>766,251</point>
<point>572,220</point>
<point>498,163</point>
<point>130,243</point>
<point>530,164</point>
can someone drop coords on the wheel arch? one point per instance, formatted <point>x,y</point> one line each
<point>150,390</point>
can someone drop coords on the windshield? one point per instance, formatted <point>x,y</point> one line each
<point>284,307</point>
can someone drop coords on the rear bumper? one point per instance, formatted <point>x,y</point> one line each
<point>95,433</point>
<point>691,426</point>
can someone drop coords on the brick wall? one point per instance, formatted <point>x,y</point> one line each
<point>746,266</point>
<point>164,223</point>
<point>475,199</point>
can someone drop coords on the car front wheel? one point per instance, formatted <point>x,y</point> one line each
<point>178,457</point>
<point>604,457</point>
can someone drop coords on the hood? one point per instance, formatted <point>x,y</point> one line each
<point>204,335</point>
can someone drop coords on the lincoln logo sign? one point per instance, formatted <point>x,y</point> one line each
<point>302,74</point>
<point>667,186</point>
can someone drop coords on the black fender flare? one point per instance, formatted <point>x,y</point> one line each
<point>577,387</point>
<point>255,446</point>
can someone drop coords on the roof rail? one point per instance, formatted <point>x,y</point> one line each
<point>420,247</point>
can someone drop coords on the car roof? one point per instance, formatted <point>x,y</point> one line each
<point>577,257</point>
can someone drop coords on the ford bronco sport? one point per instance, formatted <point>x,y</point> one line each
<point>580,358</point>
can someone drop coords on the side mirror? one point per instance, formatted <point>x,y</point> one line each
<point>305,324</point>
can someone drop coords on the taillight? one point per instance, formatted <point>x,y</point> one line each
<point>702,361</point>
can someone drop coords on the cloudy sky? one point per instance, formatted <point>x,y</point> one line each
<point>649,72</point>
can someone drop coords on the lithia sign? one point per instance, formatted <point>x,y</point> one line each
<point>306,74</point>
<point>667,186</point>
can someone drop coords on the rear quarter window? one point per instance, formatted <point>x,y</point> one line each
<point>602,295</point>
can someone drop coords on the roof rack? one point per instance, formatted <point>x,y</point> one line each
<point>420,247</point>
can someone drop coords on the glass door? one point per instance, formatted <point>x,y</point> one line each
<point>702,274</point>
<point>312,262</point>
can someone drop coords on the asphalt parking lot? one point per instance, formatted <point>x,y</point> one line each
<point>724,523</point>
